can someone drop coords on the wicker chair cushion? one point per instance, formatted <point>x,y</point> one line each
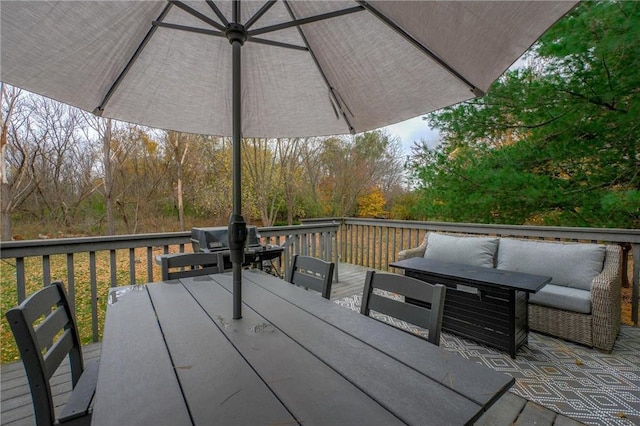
<point>569,265</point>
<point>477,251</point>
<point>565,298</point>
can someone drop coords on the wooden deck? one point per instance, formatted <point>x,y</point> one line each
<point>17,409</point>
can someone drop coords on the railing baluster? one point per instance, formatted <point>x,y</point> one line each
<point>132,265</point>
<point>46,270</point>
<point>636,283</point>
<point>94,294</point>
<point>372,246</point>
<point>386,261</point>
<point>353,238</point>
<point>362,232</point>
<point>113,268</point>
<point>20,281</point>
<point>314,247</point>
<point>71,282</point>
<point>150,263</point>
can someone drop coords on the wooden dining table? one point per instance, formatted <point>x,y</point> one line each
<point>173,355</point>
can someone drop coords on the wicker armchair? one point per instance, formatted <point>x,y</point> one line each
<point>414,252</point>
<point>599,328</point>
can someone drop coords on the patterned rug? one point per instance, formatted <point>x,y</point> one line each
<point>585,384</point>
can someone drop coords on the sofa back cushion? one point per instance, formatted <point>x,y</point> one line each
<point>477,251</point>
<point>568,264</point>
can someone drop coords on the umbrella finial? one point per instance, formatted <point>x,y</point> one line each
<point>236,32</point>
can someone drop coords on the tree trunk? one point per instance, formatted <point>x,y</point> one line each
<point>5,215</point>
<point>5,210</point>
<point>180,195</point>
<point>108,179</point>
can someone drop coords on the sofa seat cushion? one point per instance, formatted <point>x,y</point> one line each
<point>564,298</point>
<point>477,251</point>
<point>569,265</point>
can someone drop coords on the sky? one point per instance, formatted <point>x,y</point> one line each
<point>417,128</point>
<point>413,130</point>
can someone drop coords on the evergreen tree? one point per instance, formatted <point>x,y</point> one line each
<point>556,142</point>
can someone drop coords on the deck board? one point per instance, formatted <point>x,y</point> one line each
<point>17,408</point>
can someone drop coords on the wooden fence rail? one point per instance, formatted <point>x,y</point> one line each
<point>375,243</point>
<point>314,240</point>
<point>367,242</point>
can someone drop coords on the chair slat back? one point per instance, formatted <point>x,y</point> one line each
<point>429,318</point>
<point>313,273</point>
<point>182,265</point>
<point>44,346</point>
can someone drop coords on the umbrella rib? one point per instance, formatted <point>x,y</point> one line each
<point>221,34</point>
<point>189,29</point>
<point>218,13</point>
<point>277,44</point>
<point>298,22</point>
<point>100,108</point>
<point>424,49</point>
<point>204,18</point>
<point>320,70</point>
<point>259,14</point>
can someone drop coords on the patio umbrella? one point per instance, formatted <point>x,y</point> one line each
<point>309,68</point>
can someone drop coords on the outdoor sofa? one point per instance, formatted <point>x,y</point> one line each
<point>581,304</point>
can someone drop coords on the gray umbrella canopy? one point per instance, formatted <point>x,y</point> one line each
<point>169,65</point>
<point>294,68</point>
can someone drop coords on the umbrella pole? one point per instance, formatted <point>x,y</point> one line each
<point>237,226</point>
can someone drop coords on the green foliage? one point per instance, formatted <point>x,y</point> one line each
<point>553,143</point>
<point>403,206</point>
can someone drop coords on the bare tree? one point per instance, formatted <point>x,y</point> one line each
<point>288,152</point>
<point>262,174</point>
<point>179,147</point>
<point>66,160</point>
<point>10,96</point>
<point>139,175</point>
<point>108,177</point>
<point>352,166</point>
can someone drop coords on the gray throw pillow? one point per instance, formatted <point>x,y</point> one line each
<point>476,251</point>
<point>568,264</point>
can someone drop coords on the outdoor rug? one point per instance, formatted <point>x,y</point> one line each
<point>585,384</point>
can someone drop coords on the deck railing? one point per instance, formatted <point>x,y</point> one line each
<point>374,243</point>
<point>368,242</point>
<point>318,240</point>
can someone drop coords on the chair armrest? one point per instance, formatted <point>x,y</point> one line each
<point>606,300</point>
<point>413,252</point>
<point>79,402</point>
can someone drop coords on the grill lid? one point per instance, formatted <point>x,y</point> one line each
<point>217,238</point>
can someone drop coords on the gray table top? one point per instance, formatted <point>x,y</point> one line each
<point>475,275</point>
<point>172,354</point>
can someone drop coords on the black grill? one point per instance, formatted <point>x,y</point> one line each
<point>216,239</point>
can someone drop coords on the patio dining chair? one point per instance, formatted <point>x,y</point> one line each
<point>182,265</point>
<point>312,273</point>
<point>44,346</point>
<point>428,316</point>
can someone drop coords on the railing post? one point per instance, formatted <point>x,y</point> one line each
<point>71,286</point>
<point>636,283</point>
<point>20,281</point>
<point>112,262</point>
